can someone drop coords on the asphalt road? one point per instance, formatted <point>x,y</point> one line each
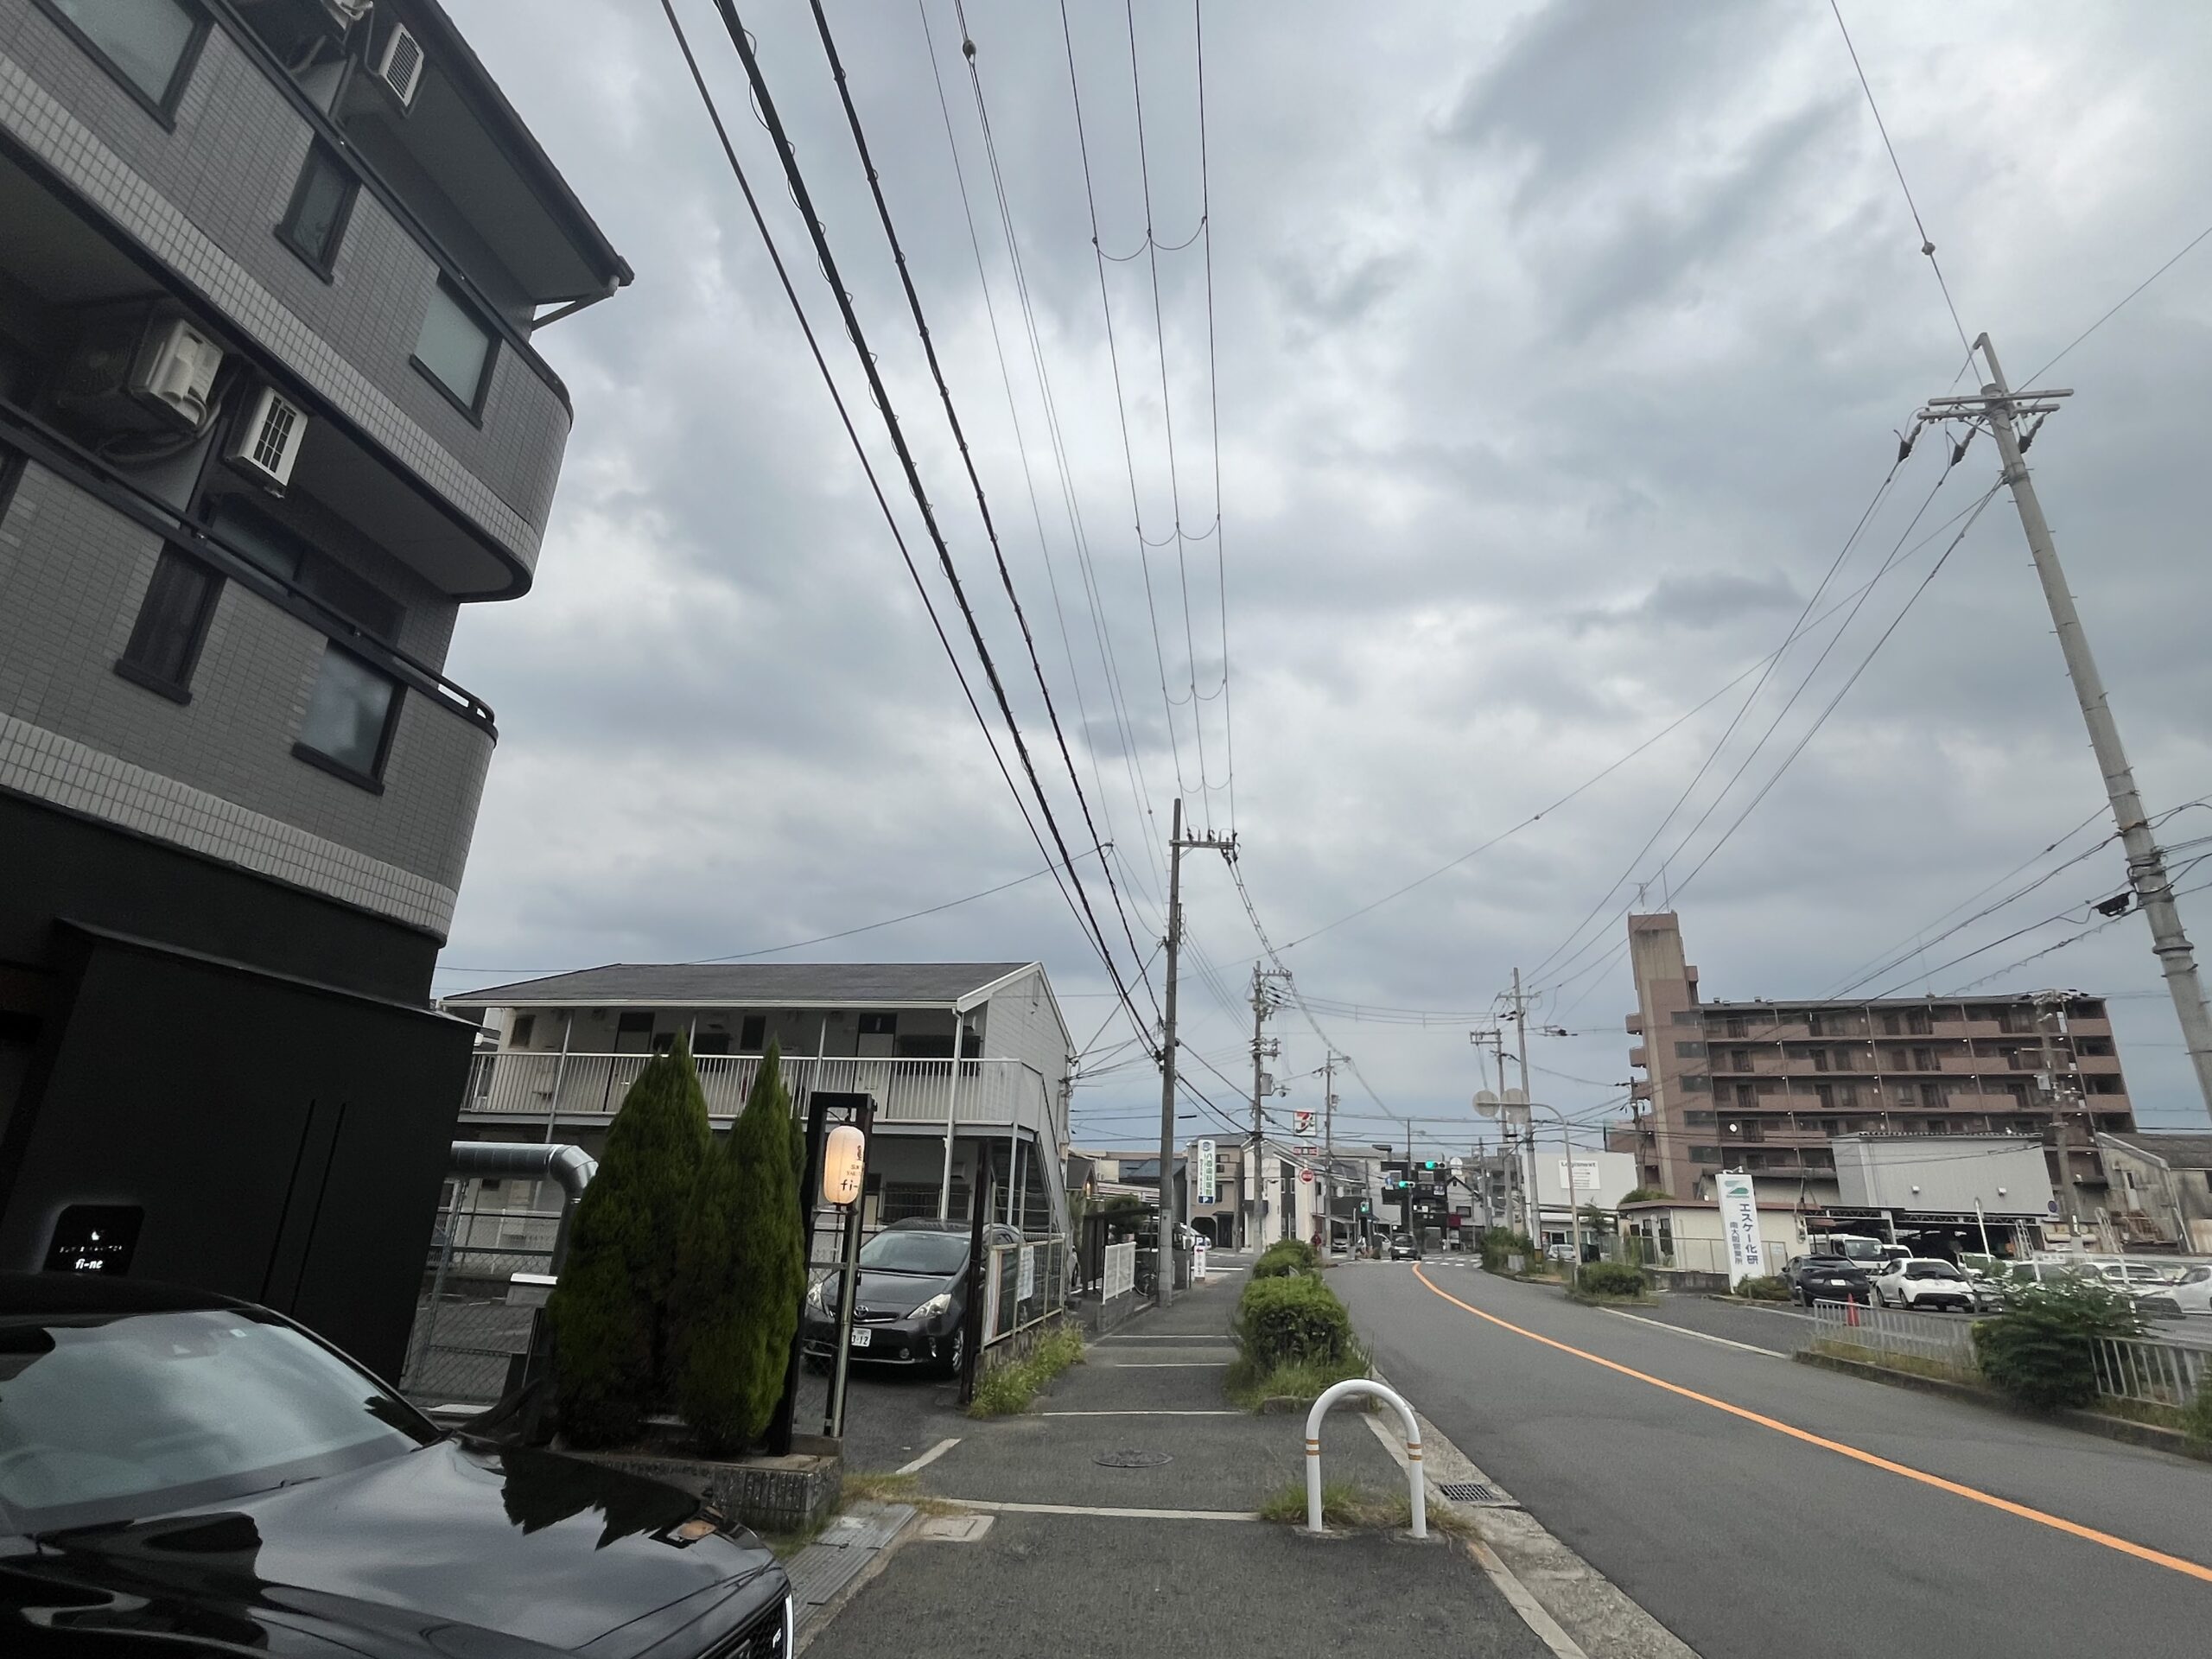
<point>1747,1540</point>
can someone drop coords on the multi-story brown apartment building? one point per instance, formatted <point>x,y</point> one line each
<point>1763,1085</point>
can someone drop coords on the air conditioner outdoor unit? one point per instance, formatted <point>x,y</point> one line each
<point>267,441</point>
<point>401,67</point>
<point>137,370</point>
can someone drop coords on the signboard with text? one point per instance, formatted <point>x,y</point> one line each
<point>1208,1174</point>
<point>1739,1224</point>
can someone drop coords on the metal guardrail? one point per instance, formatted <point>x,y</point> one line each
<point>1024,1284</point>
<point>1892,1331</point>
<point>2148,1372</point>
<point>1121,1271</point>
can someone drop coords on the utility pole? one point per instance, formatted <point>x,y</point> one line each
<point>1531,1199</point>
<point>1263,1006</point>
<point>1329,1154</point>
<point>2047,1004</point>
<point>1999,406</point>
<point>1163,1290</point>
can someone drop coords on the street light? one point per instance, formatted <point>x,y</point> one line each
<point>844,1174</point>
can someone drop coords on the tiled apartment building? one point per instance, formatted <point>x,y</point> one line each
<point>1763,1085</point>
<point>271,413</point>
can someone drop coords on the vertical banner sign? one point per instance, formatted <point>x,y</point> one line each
<point>1739,1220</point>
<point>1208,1174</point>
<point>1028,1286</point>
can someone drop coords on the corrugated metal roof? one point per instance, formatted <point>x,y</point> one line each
<point>2180,1148</point>
<point>748,985</point>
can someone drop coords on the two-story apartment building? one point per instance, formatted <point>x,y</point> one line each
<point>271,413</point>
<point>570,1045</point>
<point>1766,1086</point>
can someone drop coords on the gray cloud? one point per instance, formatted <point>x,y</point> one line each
<point>1558,354</point>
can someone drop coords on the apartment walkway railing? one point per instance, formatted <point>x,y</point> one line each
<point>990,1092</point>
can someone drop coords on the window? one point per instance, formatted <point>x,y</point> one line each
<point>1923,1059</point>
<point>1820,1058</point>
<point>1891,1025</point>
<point>286,555</point>
<point>1704,1155</point>
<point>1844,1061</point>
<point>1825,1093</point>
<point>879,1025</point>
<point>520,1033</point>
<point>172,623</point>
<point>1698,1120</point>
<point>752,1036</point>
<point>349,719</point>
<point>454,349</point>
<point>1690,1051</point>
<point>148,44</point>
<point>315,224</point>
<point>711,1042</point>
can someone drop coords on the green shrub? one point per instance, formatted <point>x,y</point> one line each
<point>2196,1416</point>
<point>610,1314</point>
<point>1008,1387</point>
<point>1498,1243</point>
<point>770,1265</point>
<point>1292,1318</point>
<point>1610,1279</point>
<point>2038,1349</point>
<point>1285,1256</point>
<point>1768,1288</point>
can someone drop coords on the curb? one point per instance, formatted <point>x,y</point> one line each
<point>2122,1429</point>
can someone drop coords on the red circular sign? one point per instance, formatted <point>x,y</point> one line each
<point>1304,1174</point>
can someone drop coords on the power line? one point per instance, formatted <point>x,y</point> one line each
<point>852,433</point>
<point>1927,243</point>
<point>1213,396</point>
<point>766,109</point>
<point>967,458</point>
<point>2187,248</point>
<point>1121,407</point>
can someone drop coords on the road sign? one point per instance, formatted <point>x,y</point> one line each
<point>1305,1175</point>
<point>1303,1122</point>
<point>1208,1174</point>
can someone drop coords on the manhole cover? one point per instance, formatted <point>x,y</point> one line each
<point>1125,1459</point>
<point>1474,1491</point>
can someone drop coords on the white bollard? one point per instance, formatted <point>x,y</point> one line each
<point>1328,1397</point>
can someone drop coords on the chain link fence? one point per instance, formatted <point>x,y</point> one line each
<point>467,1334</point>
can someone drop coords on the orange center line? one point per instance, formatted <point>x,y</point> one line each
<point>2042,1517</point>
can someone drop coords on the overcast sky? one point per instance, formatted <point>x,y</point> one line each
<point>1559,348</point>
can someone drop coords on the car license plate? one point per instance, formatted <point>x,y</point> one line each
<point>862,1337</point>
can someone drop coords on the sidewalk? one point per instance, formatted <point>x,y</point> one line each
<point>1087,1542</point>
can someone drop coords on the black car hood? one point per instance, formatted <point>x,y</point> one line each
<point>464,1550</point>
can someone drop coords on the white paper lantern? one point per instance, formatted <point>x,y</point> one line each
<point>844,1157</point>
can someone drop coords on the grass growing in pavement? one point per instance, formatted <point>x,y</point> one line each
<point>1304,1380</point>
<point>1913,1364</point>
<point>881,1489</point>
<point>1008,1389</point>
<point>1349,1506</point>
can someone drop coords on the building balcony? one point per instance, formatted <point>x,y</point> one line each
<point>986,1094</point>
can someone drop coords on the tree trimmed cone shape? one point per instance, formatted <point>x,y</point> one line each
<point>611,1313</point>
<point>741,1272</point>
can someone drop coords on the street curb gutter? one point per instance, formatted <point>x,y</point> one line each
<point>2089,1422</point>
<point>1575,1611</point>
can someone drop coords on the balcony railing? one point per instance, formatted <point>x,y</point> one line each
<point>990,1092</point>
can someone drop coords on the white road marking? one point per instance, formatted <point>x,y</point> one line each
<point>929,1457</point>
<point>1164,1365</point>
<point>1123,1515</point>
<point>1144,1414</point>
<point>1680,1331</point>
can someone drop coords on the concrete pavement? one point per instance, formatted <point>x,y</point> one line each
<point>1119,1523</point>
<point>1746,1539</point>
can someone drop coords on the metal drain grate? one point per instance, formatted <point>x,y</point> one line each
<point>1476,1491</point>
<point>1128,1459</point>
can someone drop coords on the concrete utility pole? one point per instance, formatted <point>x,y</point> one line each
<point>1163,1290</point>
<point>1263,1006</point>
<point>1532,1202</point>
<point>2047,1004</point>
<point>1999,406</point>
<point>1329,1154</point>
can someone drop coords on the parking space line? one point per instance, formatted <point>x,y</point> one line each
<point>1957,1489</point>
<point>929,1457</point>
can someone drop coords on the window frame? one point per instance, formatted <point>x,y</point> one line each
<point>372,781</point>
<point>323,264</point>
<point>162,109</point>
<point>178,691</point>
<point>473,409</point>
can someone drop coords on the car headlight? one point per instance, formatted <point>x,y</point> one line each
<point>940,1303</point>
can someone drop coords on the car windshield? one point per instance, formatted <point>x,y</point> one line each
<point>915,1252</point>
<point>106,1419</point>
<point>1933,1270</point>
